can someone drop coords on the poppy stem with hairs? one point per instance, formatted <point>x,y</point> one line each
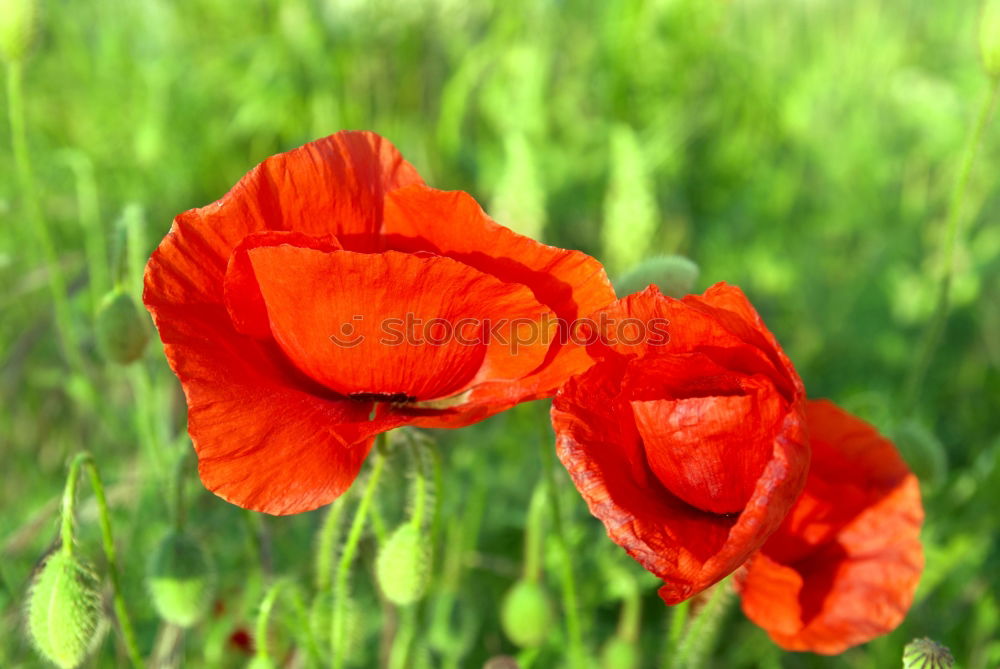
<point>932,335</point>
<point>400,657</point>
<point>326,550</point>
<point>348,552</point>
<point>678,621</point>
<point>696,645</point>
<point>574,632</point>
<point>68,514</point>
<point>283,586</point>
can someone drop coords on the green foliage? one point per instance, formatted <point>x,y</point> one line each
<point>804,151</point>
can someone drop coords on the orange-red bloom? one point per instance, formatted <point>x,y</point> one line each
<point>287,310</point>
<point>692,452</point>
<point>843,567</point>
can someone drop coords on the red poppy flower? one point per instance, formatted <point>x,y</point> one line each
<point>330,296</point>
<point>843,567</point>
<point>692,451</point>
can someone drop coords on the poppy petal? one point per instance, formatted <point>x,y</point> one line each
<point>710,451</point>
<point>332,186</point>
<point>843,567</point>
<point>407,327</point>
<point>451,223</point>
<point>690,549</point>
<point>242,294</point>
<point>267,439</point>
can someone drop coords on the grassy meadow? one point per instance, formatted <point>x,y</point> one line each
<point>805,150</point>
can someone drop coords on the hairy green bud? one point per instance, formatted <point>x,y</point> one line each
<point>675,276</point>
<point>927,654</point>
<point>526,614</point>
<point>403,566</point>
<point>122,330</point>
<point>619,654</point>
<point>17,27</point>
<point>181,579</point>
<point>64,610</point>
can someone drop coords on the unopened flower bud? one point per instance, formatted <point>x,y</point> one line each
<point>526,614</point>
<point>927,654</point>
<point>64,610</point>
<point>619,654</point>
<point>122,331</point>
<point>403,566</point>
<point>989,37</point>
<point>17,27</point>
<point>181,579</point>
<point>675,276</point>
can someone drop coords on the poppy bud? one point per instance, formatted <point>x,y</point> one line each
<point>17,28</point>
<point>927,654</point>
<point>121,328</point>
<point>180,579</point>
<point>989,37</point>
<point>64,610</point>
<point>675,276</point>
<point>619,654</point>
<point>526,614</point>
<point>403,566</point>
<point>922,451</point>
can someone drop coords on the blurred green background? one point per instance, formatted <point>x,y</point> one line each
<point>802,149</point>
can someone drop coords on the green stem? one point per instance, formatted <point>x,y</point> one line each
<point>350,549</point>
<point>574,631</point>
<point>29,193</point>
<point>932,336</point>
<point>69,501</point>
<point>631,615</point>
<point>180,509</point>
<point>146,417</point>
<point>95,239</point>
<point>403,639</point>
<point>675,631</point>
<point>534,535</point>
<point>69,505</point>
<point>419,487</point>
<point>263,618</point>
<point>697,644</point>
<point>678,621</point>
<point>326,549</point>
